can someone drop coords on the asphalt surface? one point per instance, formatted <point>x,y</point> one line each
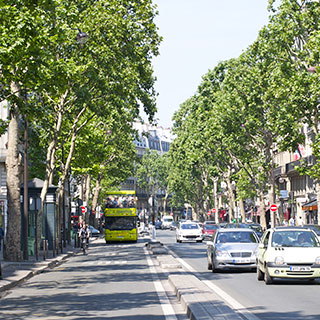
<point>285,300</point>
<point>116,281</point>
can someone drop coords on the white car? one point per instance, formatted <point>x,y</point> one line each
<point>187,231</point>
<point>288,252</point>
<point>233,248</point>
<point>166,222</point>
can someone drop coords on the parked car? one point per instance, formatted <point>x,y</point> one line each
<point>158,224</point>
<point>187,231</point>
<point>94,232</point>
<point>233,248</point>
<point>290,253</point>
<point>209,230</point>
<point>173,226</point>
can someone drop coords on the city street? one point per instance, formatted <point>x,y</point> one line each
<point>124,281</point>
<point>115,281</point>
<point>283,300</point>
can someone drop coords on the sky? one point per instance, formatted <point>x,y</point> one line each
<point>197,35</point>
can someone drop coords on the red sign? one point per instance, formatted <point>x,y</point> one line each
<point>83,209</point>
<point>209,213</point>
<point>214,210</point>
<point>273,207</point>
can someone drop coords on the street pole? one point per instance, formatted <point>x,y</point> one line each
<point>25,192</point>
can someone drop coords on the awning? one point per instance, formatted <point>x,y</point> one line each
<point>309,206</point>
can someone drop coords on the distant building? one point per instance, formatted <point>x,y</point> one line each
<point>149,137</point>
<point>153,138</point>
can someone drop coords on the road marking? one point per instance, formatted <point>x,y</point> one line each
<point>234,304</point>
<point>105,263</point>
<point>164,301</point>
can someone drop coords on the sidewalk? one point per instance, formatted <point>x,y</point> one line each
<point>14,273</point>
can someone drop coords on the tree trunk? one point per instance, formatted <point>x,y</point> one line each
<point>12,250</point>
<point>318,201</point>
<point>87,196</point>
<point>96,193</point>
<point>263,220</point>
<point>231,199</point>
<point>215,198</point>
<point>50,165</point>
<point>243,212</point>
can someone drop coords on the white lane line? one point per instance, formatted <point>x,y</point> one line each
<point>164,301</point>
<point>234,304</point>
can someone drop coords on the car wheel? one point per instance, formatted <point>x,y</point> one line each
<point>213,268</point>
<point>267,278</point>
<point>260,274</point>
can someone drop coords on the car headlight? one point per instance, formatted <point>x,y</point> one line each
<point>317,261</point>
<point>222,253</point>
<point>279,260</point>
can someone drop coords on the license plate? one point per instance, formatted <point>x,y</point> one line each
<point>300,268</point>
<point>120,237</point>
<point>241,261</point>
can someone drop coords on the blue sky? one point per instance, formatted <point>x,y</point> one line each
<point>197,35</point>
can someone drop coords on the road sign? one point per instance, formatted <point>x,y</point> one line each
<point>83,209</point>
<point>274,207</point>
<point>214,210</point>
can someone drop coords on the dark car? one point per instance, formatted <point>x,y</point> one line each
<point>158,224</point>
<point>173,226</point>
<point>209,230</point>
<point>94,232</point>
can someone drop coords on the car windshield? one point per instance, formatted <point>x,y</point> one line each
<point>189,226</point>
<point>236,236</point>
<point>294,238</point>
<point>316,229</point>
<point>210,227</point>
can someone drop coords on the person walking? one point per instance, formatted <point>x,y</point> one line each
<point>291,222</point>
<point>300,222</point>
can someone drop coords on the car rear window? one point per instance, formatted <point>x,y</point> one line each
<point>237,237</point>
<point>189,226</point>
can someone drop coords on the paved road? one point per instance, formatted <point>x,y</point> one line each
<point>285,300</point>
<point>111,282</point>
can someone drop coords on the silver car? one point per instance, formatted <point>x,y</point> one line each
<point>232,249</point>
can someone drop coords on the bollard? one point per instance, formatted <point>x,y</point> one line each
<point>53,248</point>
<point>153,233</point>
<point>44,249</point>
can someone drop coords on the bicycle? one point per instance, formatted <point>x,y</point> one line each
<point>84,244</point>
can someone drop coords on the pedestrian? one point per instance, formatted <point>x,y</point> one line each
<point>300,222</point>
<point>1,236</point>
<point>291,222</point>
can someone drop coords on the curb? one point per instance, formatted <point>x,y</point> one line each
<point>35,271</point>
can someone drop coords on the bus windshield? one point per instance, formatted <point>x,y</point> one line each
<point>120,223</point>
